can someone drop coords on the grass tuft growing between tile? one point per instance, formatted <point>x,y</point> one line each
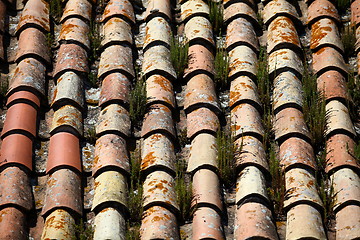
<point>138,102</point>
<point>135,202</point>
<point>95,40</point>
<point>90,135</point>
<point>216,16</point>
<point>221,65</point>
<point>183,189</point>
<point>133,232</point>
<point>353,86</point>
<point>277,190</point>
<point>179,48</point>
<point>226,152</point>
<point>56,10</point>
<point>92,79</point>
<point>342,5</point>
<point>83,231</point>
<point>314,109</point>
<point>348,39</point>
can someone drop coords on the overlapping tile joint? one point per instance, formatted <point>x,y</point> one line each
<point>53,176</point>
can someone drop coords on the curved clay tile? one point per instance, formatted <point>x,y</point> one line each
<point>324,33</point>
<point>241,10</point>
<point>277,8</point>
<point>284,60</point>
<point>355,12</point>
<point>338,119</point>
<point>29,75</point>
<point>287,91</point>
<point>13,222</point>
<point>346,184</point>
<point>114,119</point>
<point>327,59</point>
<point>109,224</point>
<point>296,152</point>
<point>20,118</point>
<point>200,91</point>
<point>254,220</point>
<point>110,153</point>
<point>71,57</point>
<point>241,32</point>
<point>63,191</point>
<point>116,31</point>
<point>198,30</point>
<point>290,122</point>
<point>242,62</point>
<point>244,90</point>
<point>15,189</point>
<point>201,61</point>
<point>332,85</point>
<point>201,120</point>
<point>158,120</point>
<point>245,121</point>
<point>64,151</point>
<point>251,3</point>
<point>69,91</point>
<point>35,14</point>
<point>159,8</point>
<point>158,223</point>
<point>33,44</point>
<point>304,222</point>
<point>301,188</point>
<point>16,149</point>
<point>207,224</point>
<point>2,51</point>
<point>67,118</point>
<point>115,88</point>
<point>116,58</point>
<point>203,153</point>
<point>119,8</point>
<point>76,31</point>
<point>157,61</point>
<point>157,153</point>
<point>206,190</point>
<point>193,8</point>
<point>250,184</point>
<point>250,152</point>
<point>160,90</point>
<point>340,153</point>
<point>23,97</point>
<point>347,223</point>
<point>2,17</point>
<point>157,32</point>
<point>322,9</point>
<point>282,34</point>
<point>110,188</point>
<point>77,9</point>
<point>59,225</point>
<point>159,190</point>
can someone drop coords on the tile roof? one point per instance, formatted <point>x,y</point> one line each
<point>68,147</point>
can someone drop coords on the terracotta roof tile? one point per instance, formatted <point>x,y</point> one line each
<point>17,149</point>
<point>59,225</point>
<point>207,224</point>
<point>115,88</point>
<point>77,9</point>
<point>160,90</point>
<point>63,192</point>
<point>327,59</point>
<point>110,153</point>
<point>110,189</point>
<point>157,153</point>
<point>332,84</point>
<point>2,17</point>
<point>68,91</point>
<point>355,12</point>
<point>35,14</point>
<point>244,90</point>
<point>242,62</point>
<point>67,118</point>
<point>198,30</point>
<point>347,223</point>
<point>252,3</point>
<point>157,32</point>
<point>338,119</point>
<point>64,150</point>
<point>160,9</point>
<point>158,223</point>
<point>116,31</point>
<point>114,119</point>
<point>13,224</point>
<point>201,61</point>
<point>109,224</point>
<point>119,8</point>
<point>277,8</point>
<point>254,220</point>
<point>241,10</point>
<point>194,8</point>
<point>324,33</point>
<point>75,30</point>
<point>201,120</point>
<point>203,153</point>
<point>285,60</point>
<point>322,9</point>
<point>23,97</point>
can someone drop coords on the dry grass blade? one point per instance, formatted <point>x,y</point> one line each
<point>226,152</point>
<point>138,102</point>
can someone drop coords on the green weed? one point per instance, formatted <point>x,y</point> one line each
<point>221,68</point>
<point>83,231</point>
<point>216,15</point>
<point>133,232</point>
<point>183,191</point>
<point>353,87</point>
<point>342,5</point>
<point>179,48</point>
<point>93,80</point>
<point>90,135</point>
<point>136,189</point>
<point>226,152</point>
<point>138,102</point>
<point>95,40</point>
<point>56,9</point>
<point>348,39</point>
